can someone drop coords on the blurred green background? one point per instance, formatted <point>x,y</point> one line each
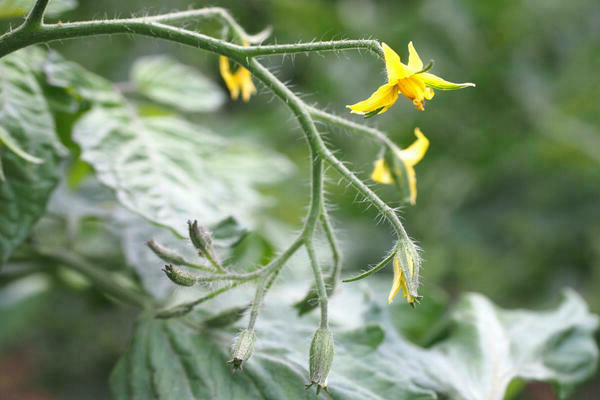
<point>509,193</point>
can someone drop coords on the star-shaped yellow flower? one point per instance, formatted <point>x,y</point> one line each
<point>411,80</point>
<point>240,80</point>
<point>400,280</point>
<point>409,157</point>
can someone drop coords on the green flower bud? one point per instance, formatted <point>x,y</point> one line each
<point>166,254</point>
<point>200,237</point>
<point>243,348</point>
<point>179,276</point>
<point>321,357</point>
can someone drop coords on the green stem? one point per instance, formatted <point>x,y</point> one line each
<point>184,308</point>
<point>376,268</point>
<point>338,121</point>
<point>213,260</point>
<point>30,33</point>
<point>333,246</point>
<point>276,49</point>
<point>35,17</point>
<point>259,296</point>
<point>101,279</point>
<point>321,291</point>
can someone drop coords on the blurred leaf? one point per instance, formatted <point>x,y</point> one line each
<point>80,83</point>
<point>487,348</point>
<point>169,82</point>
<point>24,115</point>
<point>169,170</point>
<point>7,140</point>
<point>18,8</point>
<point>228,232</point>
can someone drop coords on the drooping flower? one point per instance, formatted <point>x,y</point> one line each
<point>240,80</point>
<point>411,80</point>
<point>400,280</point>
<point>409,158</point>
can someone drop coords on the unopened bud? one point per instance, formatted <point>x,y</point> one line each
<point>243,348</point>
<point>321,357</point>
<point>179,276</point>
<point>166,254</point>
<point>200,238</point>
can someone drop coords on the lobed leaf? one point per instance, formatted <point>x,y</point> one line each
<point>486,348</point>
<point>29,136</point>
<point>169,82</point>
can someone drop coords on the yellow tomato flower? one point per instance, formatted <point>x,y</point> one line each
<point>411,80</point>
<point>241,80</point>
<point>409,157</point>
<point>400,280</point>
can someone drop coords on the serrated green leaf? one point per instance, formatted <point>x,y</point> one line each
<point>169,170</point>
<point>24,113</point>
<point>18,8</point>
<point>169,82</point>
<point>487,347</point>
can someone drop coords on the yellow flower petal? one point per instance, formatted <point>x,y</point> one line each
<point>416,151</point>
<point>244,80</point>
<point>436,82</point>
<point>414,61</point>
<point>228,77</point>
<point>414,89</point>
<point>399,280</point>
<point>412,183</point>
<point>381,173</point>
<point>240,80</point>
<point>410,157</point>
<point>383,98</point>
<point>394,67</point>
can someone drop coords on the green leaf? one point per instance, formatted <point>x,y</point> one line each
<point>169,82</point>
<point>24,114</point>
<point>80,83</point>
<point>7,140</point>
<point>487,347</point>
<point>18,8</point>
<point>169,170</point>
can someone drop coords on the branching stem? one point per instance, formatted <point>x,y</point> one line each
<point>34,31</point>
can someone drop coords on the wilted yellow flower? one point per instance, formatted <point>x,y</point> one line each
<point>240,80</point>
<point>411,80</point>
<point>400,280</point>
<point>409,157</point>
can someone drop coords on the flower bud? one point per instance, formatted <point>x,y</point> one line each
<point>200,238</point>
<point>179,276</point>
<point>321,357</point>
<point>166,254</point>
<point>243,348</point>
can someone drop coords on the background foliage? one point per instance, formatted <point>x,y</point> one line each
<point>508,192</point>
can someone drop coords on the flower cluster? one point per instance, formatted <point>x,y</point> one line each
<point>414,82</point>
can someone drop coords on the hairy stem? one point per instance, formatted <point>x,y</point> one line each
<point>341,122</point>
<point>184,308</point>
<point>35,17</point>
<point>334,248</point>
<point>321,291</point>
